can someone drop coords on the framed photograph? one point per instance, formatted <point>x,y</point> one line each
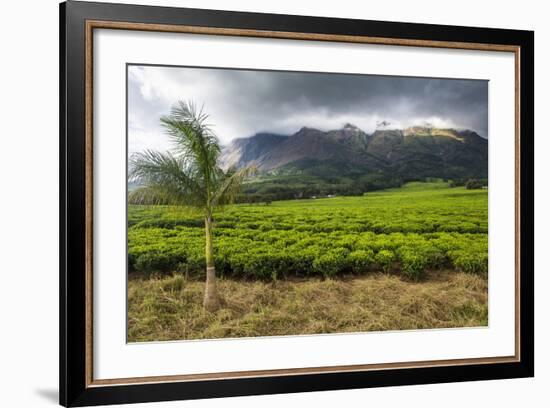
<point>256,204</point>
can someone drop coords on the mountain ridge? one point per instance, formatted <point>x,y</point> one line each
<point>418,151</point>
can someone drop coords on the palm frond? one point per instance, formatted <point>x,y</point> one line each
<point>193,137</point>
<point>231,185</point>
<point>173,179</point>
<point>157,195</point>
<point>190,174</point>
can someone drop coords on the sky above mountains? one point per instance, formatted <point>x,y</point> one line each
<point>243,102</point>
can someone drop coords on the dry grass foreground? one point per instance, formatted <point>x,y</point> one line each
<point>170,308</point>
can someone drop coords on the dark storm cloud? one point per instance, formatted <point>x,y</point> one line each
<point>242,103</point>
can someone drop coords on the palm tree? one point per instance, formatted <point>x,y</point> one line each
<point>189,175</point>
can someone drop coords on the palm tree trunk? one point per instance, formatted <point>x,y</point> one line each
<point>211,298</point>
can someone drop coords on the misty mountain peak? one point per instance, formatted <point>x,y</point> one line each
<point>306,129</point>
<point>420,131</point>
<point>352,127</point>
<point>384,125</point>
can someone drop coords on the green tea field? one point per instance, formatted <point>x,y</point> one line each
<point>407,258</point>
<point>409,230</point>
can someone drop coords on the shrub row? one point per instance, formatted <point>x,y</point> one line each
<point>289,253</point>
<point>411,230</point>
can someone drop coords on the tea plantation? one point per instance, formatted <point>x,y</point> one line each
<point>408,230</point>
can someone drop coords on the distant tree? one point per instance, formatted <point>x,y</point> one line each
<point>457,182</point>
<point>474,184</point>
<point>189,175</point>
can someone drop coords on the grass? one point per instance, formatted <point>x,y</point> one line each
<point>169,307</point>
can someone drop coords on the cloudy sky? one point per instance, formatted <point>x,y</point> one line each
<point>241,103</point>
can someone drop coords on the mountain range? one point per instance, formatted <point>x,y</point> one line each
<point>411,153</point>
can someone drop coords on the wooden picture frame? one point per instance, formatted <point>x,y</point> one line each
<point>78,20</point>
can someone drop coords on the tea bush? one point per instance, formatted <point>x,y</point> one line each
<point>332,262</point>
<point>361,260</point>
<point>385,258</point>
<point>473,262</point>
<point>408,229</point>
<point>413,262</point>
